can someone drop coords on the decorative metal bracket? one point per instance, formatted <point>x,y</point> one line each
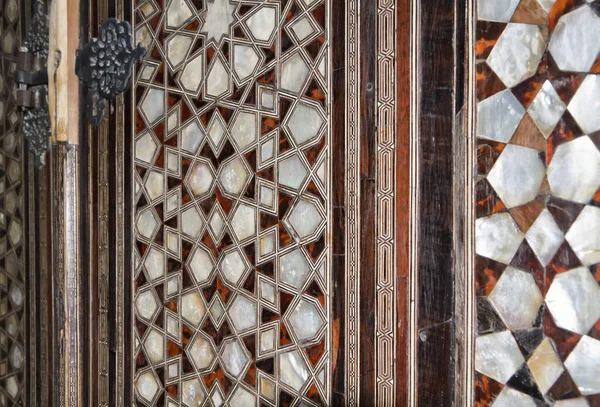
<point>31,77</point>
<point>105,65</point>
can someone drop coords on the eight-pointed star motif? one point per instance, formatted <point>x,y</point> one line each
<point>217,19</point>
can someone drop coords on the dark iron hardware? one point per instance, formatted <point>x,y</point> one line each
<point>105,65</point>
<point>31,77</point>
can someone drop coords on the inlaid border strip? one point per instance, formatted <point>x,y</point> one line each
<point>352,199</point>
<point>385,319</point>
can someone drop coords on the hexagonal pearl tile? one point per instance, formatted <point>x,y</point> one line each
<point>146,305</point>
<point>499,116</point>
<point>245,60</point>
<point>496,10</point>
<point>517,53</point>
<point>243,313</point>
<point>511,398</point>
<point>155,346</point>
<point>262,23</point>
<point>200,179</point>
<point>233,176</point>
<point>497,237</point>
<point>292,172</point>
<point>244,222</point>
<point>233,266</point>
<point>305,320</point>
<point>574,300</point>
<point>201,352</point>
<point>293,370</point>
<point>147,386</point>
<point>304,123</point>
<point>201,265</point>
<point>153,105</point>
<point>192,308</point>
<point>574,44</point>
<point>145,147</point>
<point>498,356</point>
<point>305,218</point>
<point>192,393</point>
<point>244,129</point>
<point>242,398</point>
<point>574,172</point>
<point>583,236</point>
<point>293,73</point>
<point>294,269</point>
<point>234,358</point>
<point>583,365</point>
<point>585,105</point>
<point>517,175</point>
<point>517,298</point>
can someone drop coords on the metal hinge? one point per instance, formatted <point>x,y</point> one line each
<point>31,78</point>
<point>105,65</point>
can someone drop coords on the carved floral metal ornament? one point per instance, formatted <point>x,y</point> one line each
<point>105,65</point>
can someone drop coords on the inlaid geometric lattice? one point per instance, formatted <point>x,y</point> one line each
<point>12,227</point>
<point>538,203</point>
<point>232,201</point>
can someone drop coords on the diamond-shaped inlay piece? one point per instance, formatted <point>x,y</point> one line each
<point>583,365</point>
<point>147,223</point>
<point>192,308</point>
<point>499,116</point>
<point>155,346</point>
<point>15,233</point>
<point>146,305</point>
<point>155,263</point>
<point>244,129</point>
<point>11,11</point>
<point>217,310</point>
<point>201,352</point>
<point>234,358</point>
<point>305,123</point>
<point>574,172</point>
<point>517,175</point>
<point>574,44</point>
<point>545,365</point>
<point>293,73</point>
<point>218,19</point>
<point>216,131</point>
<point>244,221</point>
<point>294,269</point>
<point>177,48</point>
<point>233,176</point>
<point>584,236</point>
<point>497,237</point>
<point>585,105</point>
<point>517,298</point>
<point>145,148</point>
<point>498,356</point>
<point>201,265</point>
<point>8,42</point>
<point>191,222</point>
<point>147,386</point>
<point>292,172</point>
<point>217,223</point>
<point>218,80</point>
<point>305,218</point>
<point>496,10</point>
<point>303,28</point>
<point>305,320</point>
<point>245,60</point>
<point>544,237</point>
<point>153,105</point>
<point>546,109</point>
<point>192,74</point>
<point>191,137</point>
<point>293,370</point>
<point>233,267</point>
<point>243,313</point>
<point>262,23</point>
<point>574,300</point>
<point>517,53</point>
<point>200,179</point>
<point>16,357</point>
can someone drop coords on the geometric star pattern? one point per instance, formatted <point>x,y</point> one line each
<point>537,203</point>
<point>12,227</point>
<point>232,255</point>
